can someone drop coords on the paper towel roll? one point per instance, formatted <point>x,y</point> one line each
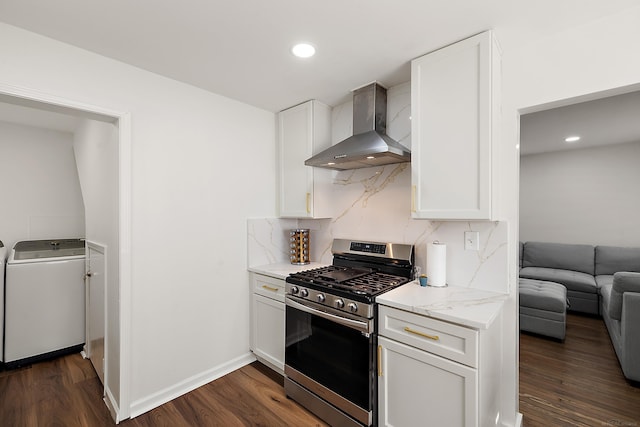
<point>437,264</point>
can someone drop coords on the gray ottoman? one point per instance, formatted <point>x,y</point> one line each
<point>543,308</point>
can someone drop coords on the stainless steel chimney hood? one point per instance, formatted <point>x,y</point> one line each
<point>369,146</point>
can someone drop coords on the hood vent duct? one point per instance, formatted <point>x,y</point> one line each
<point>369,146</point>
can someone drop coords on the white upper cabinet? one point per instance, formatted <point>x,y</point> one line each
<point>303,131</point>
<point>455,112</point>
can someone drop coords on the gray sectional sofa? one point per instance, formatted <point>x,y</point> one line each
<point>600,280</point>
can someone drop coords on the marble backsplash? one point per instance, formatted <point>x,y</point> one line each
<point>373,204</point>
<point>484,269</point>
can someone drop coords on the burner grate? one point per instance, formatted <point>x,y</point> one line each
<point>354,280</point>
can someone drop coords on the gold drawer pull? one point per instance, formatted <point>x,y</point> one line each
<point>379,360</point>
<point>308,203</point>
<point>270,288</point>
<point>422,334</point>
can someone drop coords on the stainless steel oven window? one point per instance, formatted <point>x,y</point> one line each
<point>338,355</point>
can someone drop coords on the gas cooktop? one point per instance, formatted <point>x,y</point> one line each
<point>360,272</point>
<point>359,281</point>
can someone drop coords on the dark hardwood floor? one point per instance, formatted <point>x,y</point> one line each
<point>577,382</point>
<point>66,392</point>
<point>574,383</point>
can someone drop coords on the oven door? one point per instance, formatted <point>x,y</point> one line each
<point>332,355</point>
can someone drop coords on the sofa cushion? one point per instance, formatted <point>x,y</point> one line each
<point>622,282</point>
<point>611,259</point>
<point>573,280</point>
<point>559,256</point>
<point>604,280</point>
<point>542,295</point>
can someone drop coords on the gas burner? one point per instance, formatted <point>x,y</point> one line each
<point>358,280</point>
<point>360,272</point>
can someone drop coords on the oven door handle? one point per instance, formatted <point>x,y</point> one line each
<point>353,324</point>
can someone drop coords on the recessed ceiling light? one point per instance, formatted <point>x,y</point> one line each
<point>330,163</point>
<point>303,50</point>
<point>572,139</point>
<point>370,157</point>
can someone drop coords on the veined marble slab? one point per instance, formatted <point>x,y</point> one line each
<point>465,306</point>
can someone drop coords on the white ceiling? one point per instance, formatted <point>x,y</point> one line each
<point>240,49</point>
<point>611,120</point>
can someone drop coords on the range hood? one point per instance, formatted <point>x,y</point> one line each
<point>369,146</point>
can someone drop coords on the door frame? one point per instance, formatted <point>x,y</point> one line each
<point>36,99</point>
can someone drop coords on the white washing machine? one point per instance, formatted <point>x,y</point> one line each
<point>3,259</point>
<point>44,300</point>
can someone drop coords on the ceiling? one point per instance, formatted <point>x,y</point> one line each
<point>240,49</point>
<point>610,120</point>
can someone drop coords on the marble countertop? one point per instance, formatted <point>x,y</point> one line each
<point>465,306</point>
<point>282,270</point>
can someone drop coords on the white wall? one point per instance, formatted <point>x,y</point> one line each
<point>96,151</point>
<point>587,195</point>
<point>40,196</point>
<point>596,56</point>
<point>201,164</point>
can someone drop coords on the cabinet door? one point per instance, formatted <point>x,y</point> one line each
<point>267,337</point>
<point>96,304</point>
<point>303,130</point>
<point>295,146</point>
<point>452,121</point>
<point>418,388</point>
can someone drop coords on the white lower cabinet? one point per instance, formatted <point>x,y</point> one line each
<point>267,321</point>
<point>435,373</point>
<point>418,388</point>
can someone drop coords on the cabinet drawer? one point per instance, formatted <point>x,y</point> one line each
<point>268,287</point>
<point>453,342</point>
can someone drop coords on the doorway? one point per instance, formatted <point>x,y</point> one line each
<point>578,191</point>
<point>113,128</point>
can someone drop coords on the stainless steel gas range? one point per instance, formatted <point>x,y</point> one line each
<point>331,331</point>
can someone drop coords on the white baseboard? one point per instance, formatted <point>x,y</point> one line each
<point>110,401</point>
<point>148,403</point>
<point>518,422</point>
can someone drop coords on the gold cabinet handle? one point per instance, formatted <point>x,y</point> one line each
<point>308,203</point>
<point>422,334</point>
<point>270,288</point>
<point>413,198</point>
<point>379,360</point>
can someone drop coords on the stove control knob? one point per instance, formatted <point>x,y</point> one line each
<point>304,293</point>
<point>353,307</point>
<point>320,297</point>
<point>294,290</point>
<point>339,303</point>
